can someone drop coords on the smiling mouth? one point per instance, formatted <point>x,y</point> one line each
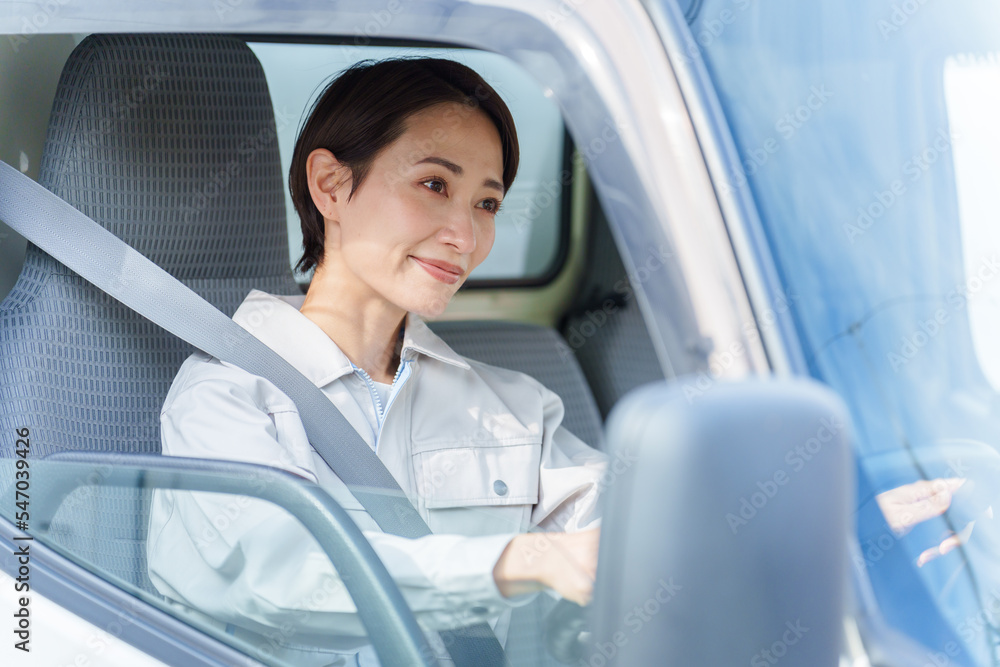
<point>443,271</point>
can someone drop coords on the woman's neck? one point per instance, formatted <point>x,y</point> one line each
<point>362,323</point>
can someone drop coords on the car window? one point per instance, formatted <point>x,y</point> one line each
<point>867,136</point>
<point>129,535</point>
<point>972,98</point>
<point>529,227</point>
<point>102,528</point>
<point>499,514</point>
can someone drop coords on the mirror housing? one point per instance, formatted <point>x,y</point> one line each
<point>727,526</point>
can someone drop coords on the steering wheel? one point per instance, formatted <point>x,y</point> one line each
<point>566,632</point>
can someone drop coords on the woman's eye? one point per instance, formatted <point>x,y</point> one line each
<point>435,184</point>
<point>491,205</point>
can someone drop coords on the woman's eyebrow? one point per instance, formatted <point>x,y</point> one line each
<point>458,171</point>
<point>447,164</point>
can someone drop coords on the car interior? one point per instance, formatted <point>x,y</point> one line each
<point>138,125</point>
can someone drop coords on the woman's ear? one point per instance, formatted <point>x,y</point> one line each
<point>326,178</point>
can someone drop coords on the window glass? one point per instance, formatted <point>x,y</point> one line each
<point>867,135</point>
<point>208,558</point>
<point>972,96</point>
<point>528,229</point>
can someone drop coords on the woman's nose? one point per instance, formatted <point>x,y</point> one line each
<point>459,230</point>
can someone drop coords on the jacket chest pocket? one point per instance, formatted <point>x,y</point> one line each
<point>463,476</point>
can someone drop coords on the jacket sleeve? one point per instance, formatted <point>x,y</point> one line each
<point>246,561</point>
<point>570,476</point>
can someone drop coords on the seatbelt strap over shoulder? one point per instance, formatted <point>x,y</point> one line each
<point>112,265</point>
<point>115,267</point>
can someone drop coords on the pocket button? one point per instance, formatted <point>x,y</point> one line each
<point>500,487</point>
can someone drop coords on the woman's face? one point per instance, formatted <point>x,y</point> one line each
<point>423,218</point>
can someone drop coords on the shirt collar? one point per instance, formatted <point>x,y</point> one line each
<point>275,320</point>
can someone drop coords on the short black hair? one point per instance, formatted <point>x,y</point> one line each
<point>365,109</point>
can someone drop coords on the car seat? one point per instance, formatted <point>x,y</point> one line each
<point>170,143</point>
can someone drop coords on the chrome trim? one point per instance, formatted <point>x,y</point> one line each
<point>738,207</point>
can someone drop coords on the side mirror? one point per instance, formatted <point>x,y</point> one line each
<point>726,533</point>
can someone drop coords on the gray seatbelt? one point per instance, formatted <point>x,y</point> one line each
<point>112,265</point>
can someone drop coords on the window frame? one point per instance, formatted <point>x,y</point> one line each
<point>679,323</point>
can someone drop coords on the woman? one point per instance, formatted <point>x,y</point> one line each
<point>397,176</point>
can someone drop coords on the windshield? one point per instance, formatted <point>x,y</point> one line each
<point>868,134</point>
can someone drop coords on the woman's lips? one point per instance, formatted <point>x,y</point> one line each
<point>443,271</point>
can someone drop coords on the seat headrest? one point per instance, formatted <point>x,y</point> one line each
<point>181,129</point>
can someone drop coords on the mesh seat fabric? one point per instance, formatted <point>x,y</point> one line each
<point>170,143</point>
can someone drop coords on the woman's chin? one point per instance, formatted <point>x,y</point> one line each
<point>430,308</point>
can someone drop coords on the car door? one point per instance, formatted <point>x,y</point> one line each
<point>622,105</point>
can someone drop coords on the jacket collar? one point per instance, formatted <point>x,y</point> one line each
<point>275,320</point>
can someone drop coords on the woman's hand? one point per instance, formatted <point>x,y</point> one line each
<point>910,504</point>
<point>564,562</point>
